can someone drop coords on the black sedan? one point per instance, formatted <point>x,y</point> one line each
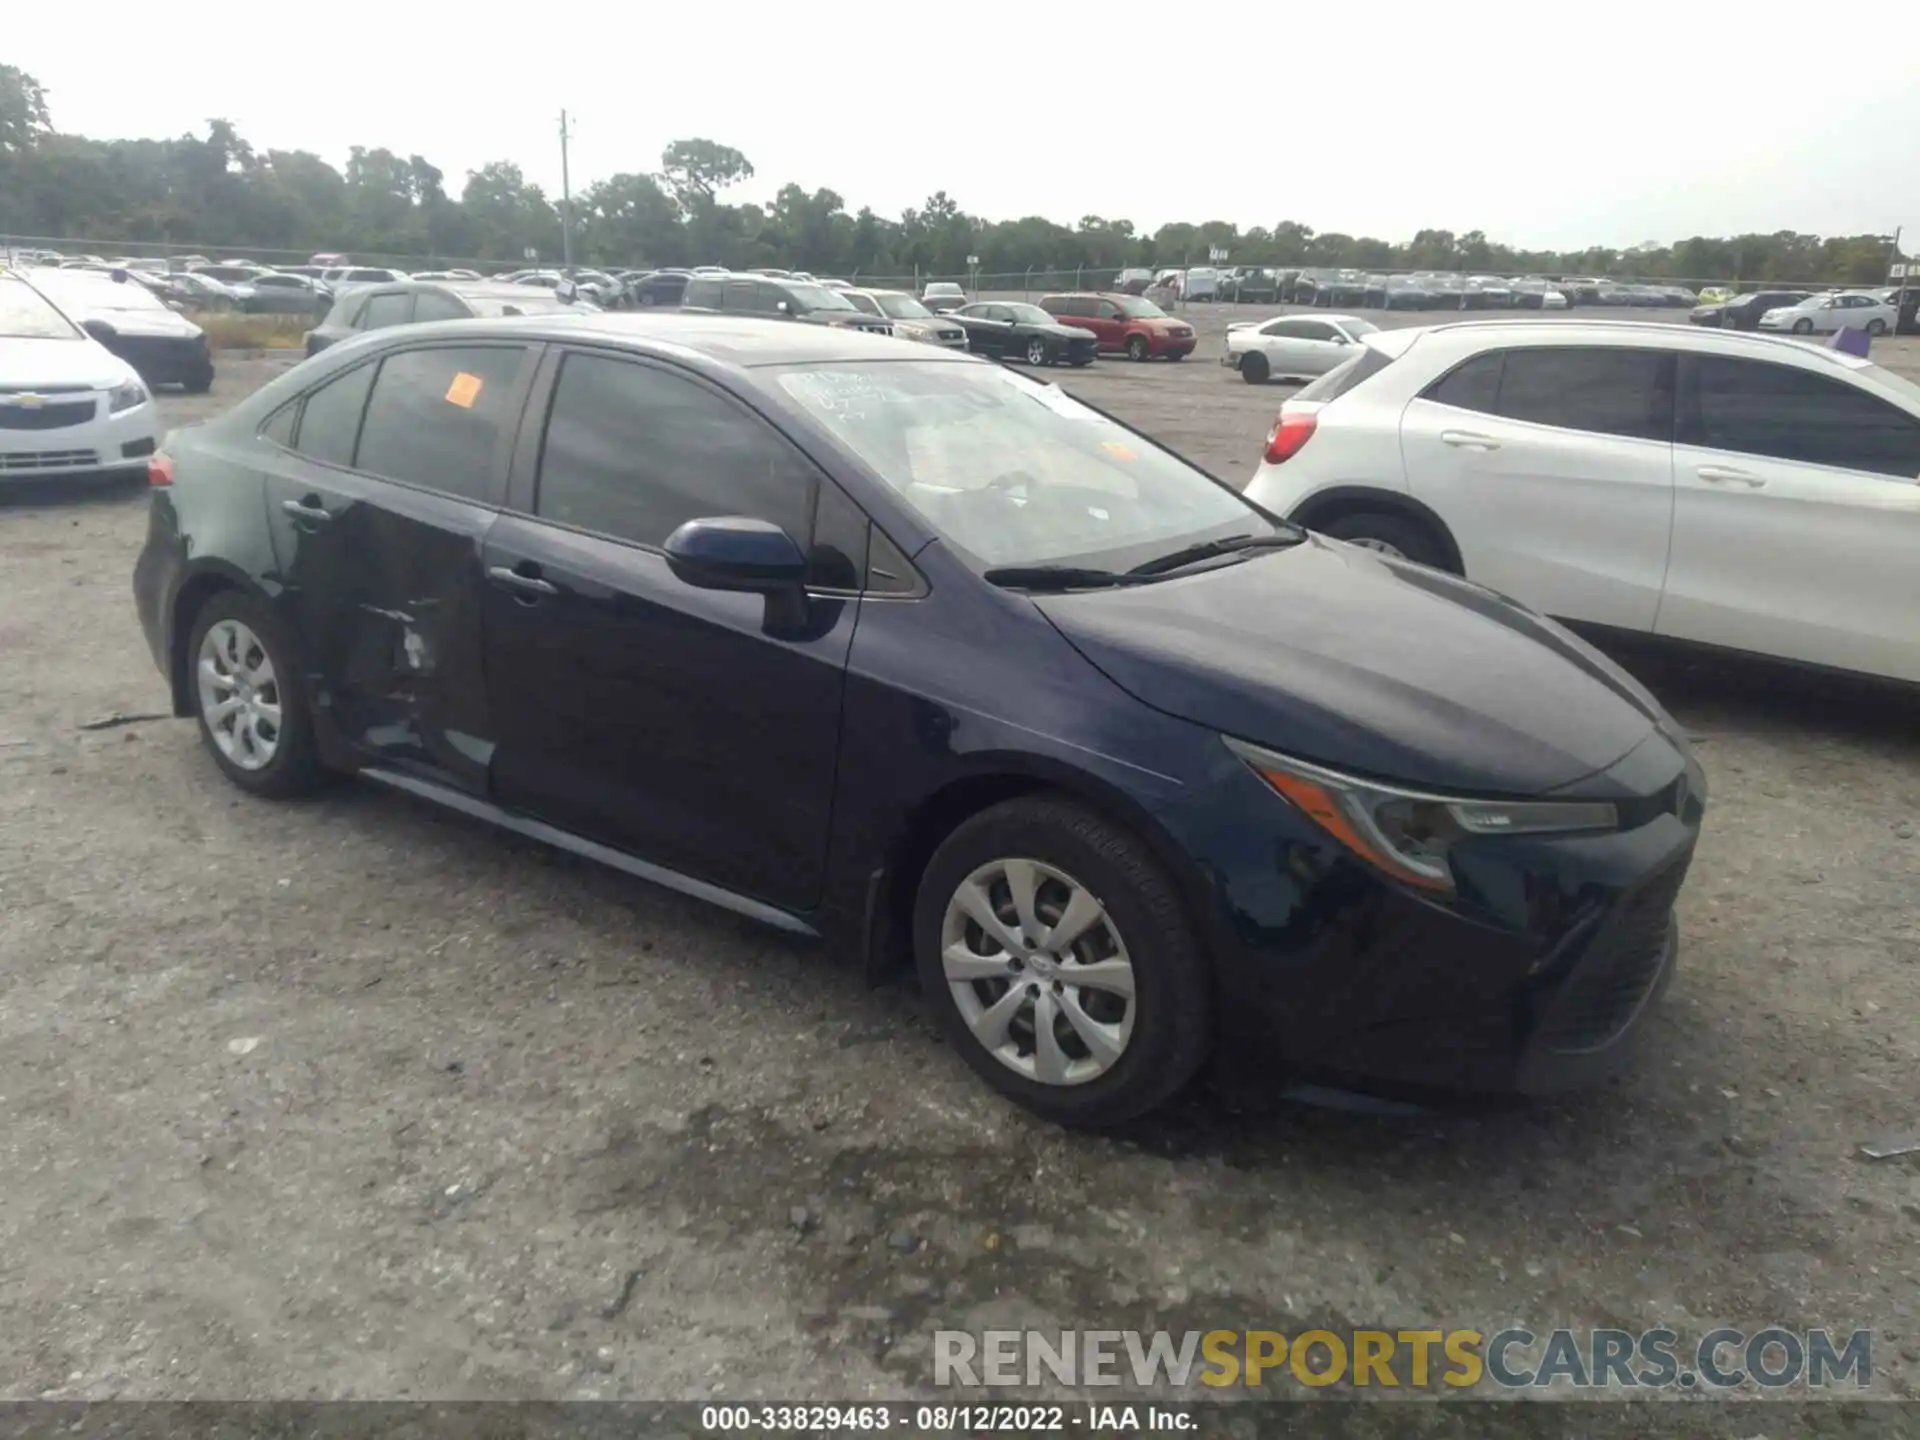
<point>659,287</point>
<point>1743,312</point>
<point>890,647</point>
<point>1010,331</point>
<point>375,307</point>
<point>128,318</point>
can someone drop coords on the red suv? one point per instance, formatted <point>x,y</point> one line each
<point>1124,322</point>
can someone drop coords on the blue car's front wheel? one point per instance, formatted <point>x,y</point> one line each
<point>1060,961</point>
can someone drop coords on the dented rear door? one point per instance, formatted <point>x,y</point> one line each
<point>379,546</point>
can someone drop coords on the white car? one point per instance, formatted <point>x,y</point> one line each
<point>1823,314</point>
<point>1200,282</point>
<point>911,320</point>
<point>1292,347</point>
<point>67,405</point>
<point>1748,492</point>
<point>941,296</point>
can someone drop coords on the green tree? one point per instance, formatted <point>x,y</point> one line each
<point>23,110</point>
<point>698,170</point>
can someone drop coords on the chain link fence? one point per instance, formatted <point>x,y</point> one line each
<point>17,249</point>
<point>1028,284</point>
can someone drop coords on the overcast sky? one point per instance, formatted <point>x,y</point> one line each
<point>1623,126</point>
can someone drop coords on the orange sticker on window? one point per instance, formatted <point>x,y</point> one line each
<point>464,390</point>
<point>1117,450</point>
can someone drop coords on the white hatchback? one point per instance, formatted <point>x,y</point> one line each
<point>1824,314</point>
<point>67,406</point>
<point>1748,492</point>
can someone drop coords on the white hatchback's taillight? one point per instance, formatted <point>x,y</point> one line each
<point>1290,432</point>
<point>159,469</point>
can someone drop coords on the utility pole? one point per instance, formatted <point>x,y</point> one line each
<point>566,203</point>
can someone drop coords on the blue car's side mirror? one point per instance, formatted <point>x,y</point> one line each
<point>736,552</point>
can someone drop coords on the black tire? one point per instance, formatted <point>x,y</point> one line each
<point>199,383</point>
<point>1080,361</point>
<point>1803,326</point>
<point>1410,537</point>
<point>1137,348</point>
<point>1172,1021</point>
<point>1038,353</point>
<point>1876,328</point>
<point>1178,355</point>
<point>295,768</point>
<point>1254,368</point>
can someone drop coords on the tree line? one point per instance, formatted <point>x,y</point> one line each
<point>216,192</point>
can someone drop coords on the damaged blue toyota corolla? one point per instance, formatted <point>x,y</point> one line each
<point>907,650</point>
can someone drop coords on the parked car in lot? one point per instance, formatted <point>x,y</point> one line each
<point>1489,292</point>
<point>921,657</point>
<point>276,294</point>
<point>602,289</point>
<point>1292,347</point>
<point>1745,492</point>
<point>202,292</point>
<point>1396,292</point>
<point>1248,285</point>
<point>1447,291</point>
<point>1824,314</point>
<point>341,277</point>
<point>410,302</point>
<point>941,296</point>
<point>779,299</point>
<point>1330,288</point>
<point>910,319</point>
<point>1124,324</point>
<point>1009,330</point>
<point>659,287</point>
<point>1200,283</point>
<point>162,345</point>
<point>69,407</point>
<point>1743,312</point>
<point>238,276</point>
<point>1132,282</point>
<point>1533,293</point>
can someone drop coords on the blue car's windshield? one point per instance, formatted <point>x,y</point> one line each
<point>1013,472</point>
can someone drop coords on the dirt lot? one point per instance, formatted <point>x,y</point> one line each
<point>349,1098</point>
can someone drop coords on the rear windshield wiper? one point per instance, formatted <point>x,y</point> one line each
<point>1208,549</point>
<point>1058,577</point>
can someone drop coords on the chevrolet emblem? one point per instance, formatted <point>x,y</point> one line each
<point>25,402</point>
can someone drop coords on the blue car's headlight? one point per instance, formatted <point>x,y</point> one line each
<point>1406,834</point>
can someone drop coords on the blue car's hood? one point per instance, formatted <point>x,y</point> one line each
<point>1337,654</point>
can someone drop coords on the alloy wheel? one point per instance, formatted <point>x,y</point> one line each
<point>1036,351</point>
<point>240,695</point>
<point>1038,971</point>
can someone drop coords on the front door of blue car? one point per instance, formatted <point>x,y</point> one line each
<point>683,725</point>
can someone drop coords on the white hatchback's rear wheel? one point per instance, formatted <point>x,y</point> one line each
<point>1400,536</point>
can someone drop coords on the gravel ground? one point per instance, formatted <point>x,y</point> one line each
<point>352,1099</point>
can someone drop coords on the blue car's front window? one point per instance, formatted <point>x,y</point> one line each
<point>1011,471</point>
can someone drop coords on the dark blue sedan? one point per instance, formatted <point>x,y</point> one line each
<point>916,653</point>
